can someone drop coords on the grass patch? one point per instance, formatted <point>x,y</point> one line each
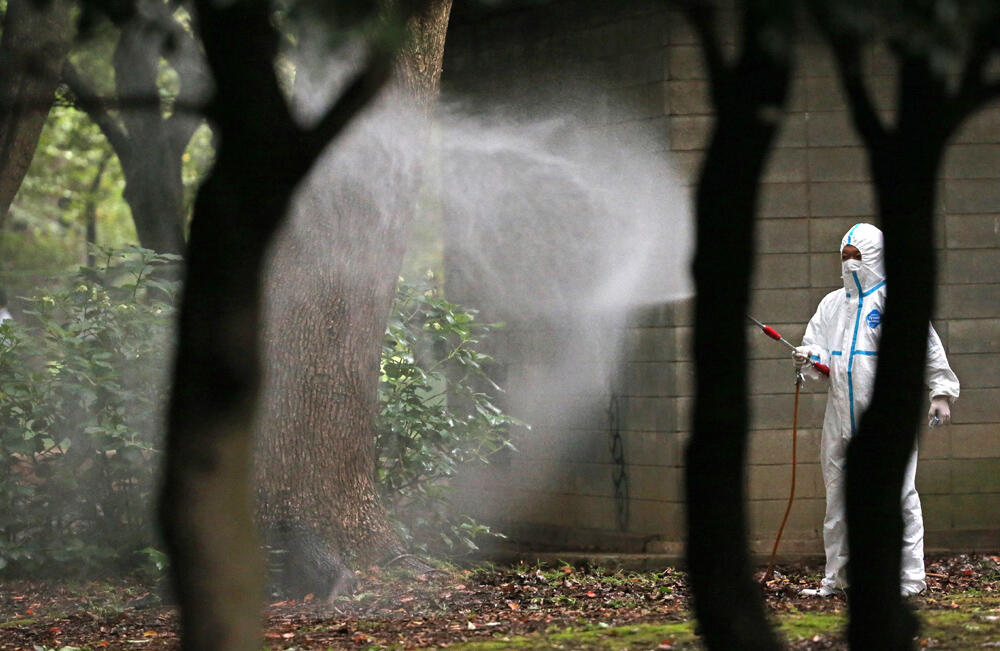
<point>594,638</point>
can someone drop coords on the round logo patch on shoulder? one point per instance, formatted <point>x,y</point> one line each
<point>874,318</point>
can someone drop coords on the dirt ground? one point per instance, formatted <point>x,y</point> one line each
<point>496,608</point>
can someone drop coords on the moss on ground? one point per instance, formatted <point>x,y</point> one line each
<point>679,635</point>
<point>965,621</point>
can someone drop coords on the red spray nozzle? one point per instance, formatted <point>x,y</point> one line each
<point>772,333</point>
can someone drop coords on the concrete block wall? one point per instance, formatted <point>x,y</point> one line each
<point>557,489</point>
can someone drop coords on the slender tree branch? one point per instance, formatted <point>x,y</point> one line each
<point>847,57</point>
<point>94,106</point>
<point>973,92</point>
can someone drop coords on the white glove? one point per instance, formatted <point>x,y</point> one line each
<point>801,356</point>
<point>939,414</point>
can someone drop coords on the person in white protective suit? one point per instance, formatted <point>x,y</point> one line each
<point>844,334</point>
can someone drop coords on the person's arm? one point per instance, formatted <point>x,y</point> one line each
<point>941,381</point>
<point>814,346</point>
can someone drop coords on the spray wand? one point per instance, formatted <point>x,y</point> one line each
<point>774,334</point>
<point>825,370</point>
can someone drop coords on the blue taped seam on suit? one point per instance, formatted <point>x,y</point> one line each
<point>854,343</point>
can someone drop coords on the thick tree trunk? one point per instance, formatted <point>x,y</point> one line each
<point>748,98</point>
<point>36,39</point>
<point>205,506</point>
<point>316,439</point>
<point>727,600</point>
<point>905,172</point>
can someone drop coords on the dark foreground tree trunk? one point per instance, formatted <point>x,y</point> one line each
<point>748,98</point>
<point>331,283</point>
<point>36,39</point>
<point>205,506</point>
<point>905,159</point>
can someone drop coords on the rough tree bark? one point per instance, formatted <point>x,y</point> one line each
<point>317,498</point>
<point>904,158</point>
<point>36,39</point>
<point>149,144</point>
<point>748,95</point>
<point>205,504</point>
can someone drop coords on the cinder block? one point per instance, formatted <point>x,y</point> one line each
<point>772,376</point>
<point>650,379</point>
<point>656,517</point>
<point>978,406</point>
<point>825,234</point>
<point>972,266</point>
<point>972,161</point>
<point>823,94</point>
<point>685,378</point>
<point>841,199</point>
<point>814,60</point>
<point>687,164</point>
<point>838,164</point>
<point>686,62</point>
<point>973,336</point>
<point>782,305</point>
<point>654,483</point>
<point>976,511</point>
<point>762,347</point>
<point>977,371</point>
<point>792,132</point>
<point>690,131</point>
<point>976,475</point>
<point>970,301</point>
<point>775,411</point>
<point>649,414</point>
<point>934,477</point>
<point>782,235</point>
<point>806,517</point>
<point>684,338</point>
<point>658,449</point>
<point>773,270</point>
<point>784,200</point>
<point>976,441</point>
<point>649,344</point>
<point>936,510</point>
<point>773,482</point>
<point>972,196</point>
<point>647,100</point>
<point>786,165</point>
<point>775,446</point>
<point>983,126</point>
<point>688,97</point>
<point>934,444</point>
<point>972,231</point>
<point>832,129</point>
<point>824,269</point>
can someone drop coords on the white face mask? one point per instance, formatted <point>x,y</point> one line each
<point>850,266</point>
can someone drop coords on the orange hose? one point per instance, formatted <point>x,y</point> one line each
<point>791,494</point>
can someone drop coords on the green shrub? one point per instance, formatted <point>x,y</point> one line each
<point>82,386</point>
<point>436,414</point>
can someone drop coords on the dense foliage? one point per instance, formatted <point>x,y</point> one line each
<point>436,414</point>
<point>82,385</point>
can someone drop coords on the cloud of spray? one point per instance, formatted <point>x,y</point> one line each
<point>555,226</point>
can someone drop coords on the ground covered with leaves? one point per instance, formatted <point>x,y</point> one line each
<point>558,606</point>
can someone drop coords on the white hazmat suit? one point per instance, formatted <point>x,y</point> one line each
<point>844,334</point>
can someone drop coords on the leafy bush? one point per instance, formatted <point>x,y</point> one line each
<point>435,415</point>
<point>82,385</point>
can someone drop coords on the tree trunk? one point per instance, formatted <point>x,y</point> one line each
<point>747,99</point>
<point>905,174</point>
<point>331,283</point>
<point>205,506</point>
<point>36,39</point>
